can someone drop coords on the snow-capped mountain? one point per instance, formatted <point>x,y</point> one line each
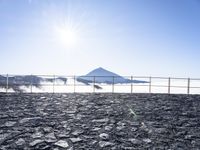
<point>101,75</point>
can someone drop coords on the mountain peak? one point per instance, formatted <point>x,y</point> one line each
<point>101,72</point>
<point>104,76</point>
<point>100,69</point>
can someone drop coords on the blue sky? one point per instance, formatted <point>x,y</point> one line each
<point>128,37</point>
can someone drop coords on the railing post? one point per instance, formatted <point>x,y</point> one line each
<point>131,84</point>
<point>54,78</point>
<point>94,84</point>
<point>31,82</point>
<point>74,84</point>
<point>113,85</point>
<point>149,84</point>
<point>7,83</point>
<point>169,85</point>
<point>188,87</point>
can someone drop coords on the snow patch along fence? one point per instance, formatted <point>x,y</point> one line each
<point>97,84</point>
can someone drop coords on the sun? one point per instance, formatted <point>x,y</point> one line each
<point>67,35</point>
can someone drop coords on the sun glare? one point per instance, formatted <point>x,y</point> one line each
<point>67,36</point>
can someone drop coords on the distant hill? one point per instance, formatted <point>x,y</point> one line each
<point>15,82</point>
<point>104,76</point>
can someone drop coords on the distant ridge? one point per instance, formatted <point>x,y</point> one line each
<point>15,82</point>
<point>104,76</point>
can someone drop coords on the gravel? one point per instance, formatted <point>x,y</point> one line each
<point>99,121</point>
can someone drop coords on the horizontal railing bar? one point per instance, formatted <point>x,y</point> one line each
<point>97,84</point>
<point>11,75</point>
<point>195,87</point>
<point>178,86</point>
<point>176,78</point>
<point>159,85</point>
<point>162,78</point>
<point>134,77</point>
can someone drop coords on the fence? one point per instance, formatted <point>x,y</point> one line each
<point>113,84</point>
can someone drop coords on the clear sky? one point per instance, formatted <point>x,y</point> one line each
<point>128,37</point>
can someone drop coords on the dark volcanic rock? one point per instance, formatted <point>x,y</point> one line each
<point>104,136</point>
<point>35,142</point>
<point>20,142</point>
<point>99,121</point>
<point>75,140</point>
<point>103,144</point>
<point>62,144</point>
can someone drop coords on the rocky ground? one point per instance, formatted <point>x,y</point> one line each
<point>99,121</point>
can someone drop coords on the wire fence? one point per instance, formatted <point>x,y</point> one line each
<point>97,84</point>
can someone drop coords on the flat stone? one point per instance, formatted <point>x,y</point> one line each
<point>103,144</point>
<point>47,129</point>
<point>20,142</point>
<point>37,135</point>
<point>135,141</point>
<point>75,140</point>
<point>160,130</point>
<point>65,125</point>
<point>79,116</point>
<point>77,132</point>
<point>92,142</point>
<point>70,112</point>
<point>126,147</point>
<point>121,124</point>
<point>42,97</point>
<point>147,140</point>
<point>96,129</point>
<point>189,137</point>
<point>104,136</point>
<point>63,135</point>
<point>62,143</point>
<point>50,138</point>
<point>100,120</point>
<point>24,120</point>
<point>9,123</point>
<point>133,129</point>
<point>119,128</point>
<point>108,128</point>
<point>35,142</point>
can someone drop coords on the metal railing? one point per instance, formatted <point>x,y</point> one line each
<point>113,84</point>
